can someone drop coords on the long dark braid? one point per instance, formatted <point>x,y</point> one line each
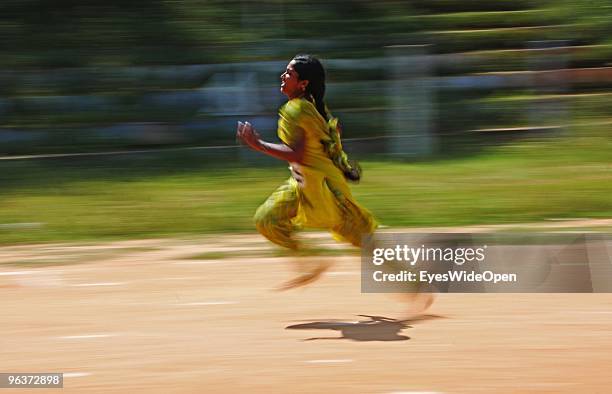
<point>310,68</point>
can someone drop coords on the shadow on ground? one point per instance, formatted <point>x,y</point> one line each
<point>375,328</point>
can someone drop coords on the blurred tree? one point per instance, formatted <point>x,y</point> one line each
<point>63,33</point>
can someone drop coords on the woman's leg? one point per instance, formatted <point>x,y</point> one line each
<point>357,224</point>
<point>273,217</point>
<point>273,220</point>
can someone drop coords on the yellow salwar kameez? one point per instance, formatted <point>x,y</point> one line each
<point>317,194</point>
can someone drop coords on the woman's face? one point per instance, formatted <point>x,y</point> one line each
<point>291,85</point>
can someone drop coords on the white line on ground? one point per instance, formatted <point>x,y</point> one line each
<point>596,312</point>
<point>15,273</point>
<point>99,284</point>
<point>208,303</point>
<point>330,361</point>
<point>415,392</point>
<point>89,336</point>
<point>430,345</point>
<point>76,374</point>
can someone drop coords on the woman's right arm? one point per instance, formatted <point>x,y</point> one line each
<point>247,134</point>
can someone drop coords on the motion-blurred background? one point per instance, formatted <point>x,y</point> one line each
<point>462,112</point>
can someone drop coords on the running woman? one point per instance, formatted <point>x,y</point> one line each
<point>317,194</point>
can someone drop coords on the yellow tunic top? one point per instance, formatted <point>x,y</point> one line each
<point>324,196</point>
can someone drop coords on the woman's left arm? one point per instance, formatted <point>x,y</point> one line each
<point>247,134</point>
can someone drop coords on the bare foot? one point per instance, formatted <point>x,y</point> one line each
<point>305,278</point>
<point>418,303</point>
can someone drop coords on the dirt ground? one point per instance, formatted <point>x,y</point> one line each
<point>201,315</point>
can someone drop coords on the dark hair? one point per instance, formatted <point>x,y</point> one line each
<point>310,68</point>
